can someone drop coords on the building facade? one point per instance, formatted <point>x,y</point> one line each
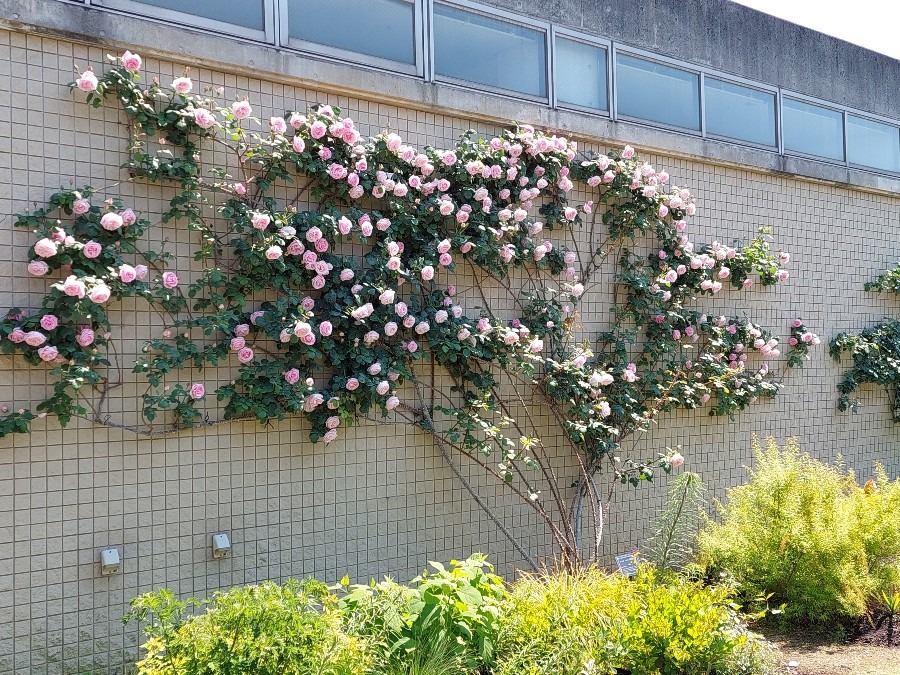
<point>770,124</point>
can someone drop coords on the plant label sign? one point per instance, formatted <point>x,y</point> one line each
<point>628,564</point>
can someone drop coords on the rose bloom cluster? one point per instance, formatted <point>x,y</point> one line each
<point>474,202</point>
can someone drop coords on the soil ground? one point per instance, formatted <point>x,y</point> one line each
<point>812,654</point>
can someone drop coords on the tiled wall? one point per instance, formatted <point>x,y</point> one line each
<point>381,500</point>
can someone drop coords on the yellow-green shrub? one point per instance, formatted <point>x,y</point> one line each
<point>593,622</point>
<point>269,629</point>
<point>807,534</point>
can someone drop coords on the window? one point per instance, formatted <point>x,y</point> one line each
<point>872,143</point>
<point>812,130</point>
<point>739,112</point>
<point>580,74</point>
<point>489,51</point>
<point>657,93</point>
<point>246,18</point>
<point>383,29</point>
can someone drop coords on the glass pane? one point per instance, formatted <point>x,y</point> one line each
<point>873,144</point>
<point>580,74</point>
<point>657,93</point>
<point>381,28</point>
<point>495,53</point>
<point>247,13</point>
<point>812,130</point>
<point>739,112</point>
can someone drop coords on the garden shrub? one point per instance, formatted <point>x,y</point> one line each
<point>453,614</point>
<point>265,629</point>
<point>806,534</point>
<point>594,622</point>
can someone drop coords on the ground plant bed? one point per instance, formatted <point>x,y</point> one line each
<point>811,653</point>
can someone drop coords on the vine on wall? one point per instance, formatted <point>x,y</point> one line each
<point>359,305</point>
<point>875,352</point>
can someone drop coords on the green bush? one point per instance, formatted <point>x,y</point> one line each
<point>592,622</point>
<point>453,614</point>
<point>808,535</point>
<point>292,629</point>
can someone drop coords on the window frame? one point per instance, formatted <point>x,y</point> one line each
<point>869,118</point>
<point>747,84</point>
<point>267,35</point>
<point>593,41</point>
<point>317,49</point>
<point>661,61</point>
<point>544,27</point>
<point>819,103</point>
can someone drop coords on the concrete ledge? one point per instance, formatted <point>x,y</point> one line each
<point>118,31</point>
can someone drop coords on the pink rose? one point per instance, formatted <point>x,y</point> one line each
<point>325,328</point>
<point>273,252</point>
<point>346,274</point>
<point>127,273</point>
<point>317,129</point>
<point>99,294</point>
<point>38,268</point>
<point>87,82</point>
<point>141,271</point>
<point>318,282</point>
<point>337,171</point>
<point>129,217</point>
<point>241,109</point>
<point>245,355</point>
<point>796,323</point>
<point>383,387</point>
<point>45,248</point>
<point>111,221</point>
<point>676,460</point>
<point>428,273</point>
<point>182,85</point>
<point>85,338</point>
<point>292,376</point>
<point>17,335</point>
<point>131,62</point>
<point>48,353</point>
<point>330,436</point>
<point>392,403</point>
<point>81,206</point>
<point>277,124</point>
<point>204,118</point>
<point>412,346</point>
<point>352,384</point>
<point>49,321</point>
<point>241,330</point>
<point>169,279</point>
<point>312,402</point>
<point>260,221</point>
<point>198,391</point>
<point>74,287</point>
<point>35,338</point>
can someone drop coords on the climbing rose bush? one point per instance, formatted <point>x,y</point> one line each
<point>343,310</point>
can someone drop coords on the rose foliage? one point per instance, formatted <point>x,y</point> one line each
<point>345,309</point>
